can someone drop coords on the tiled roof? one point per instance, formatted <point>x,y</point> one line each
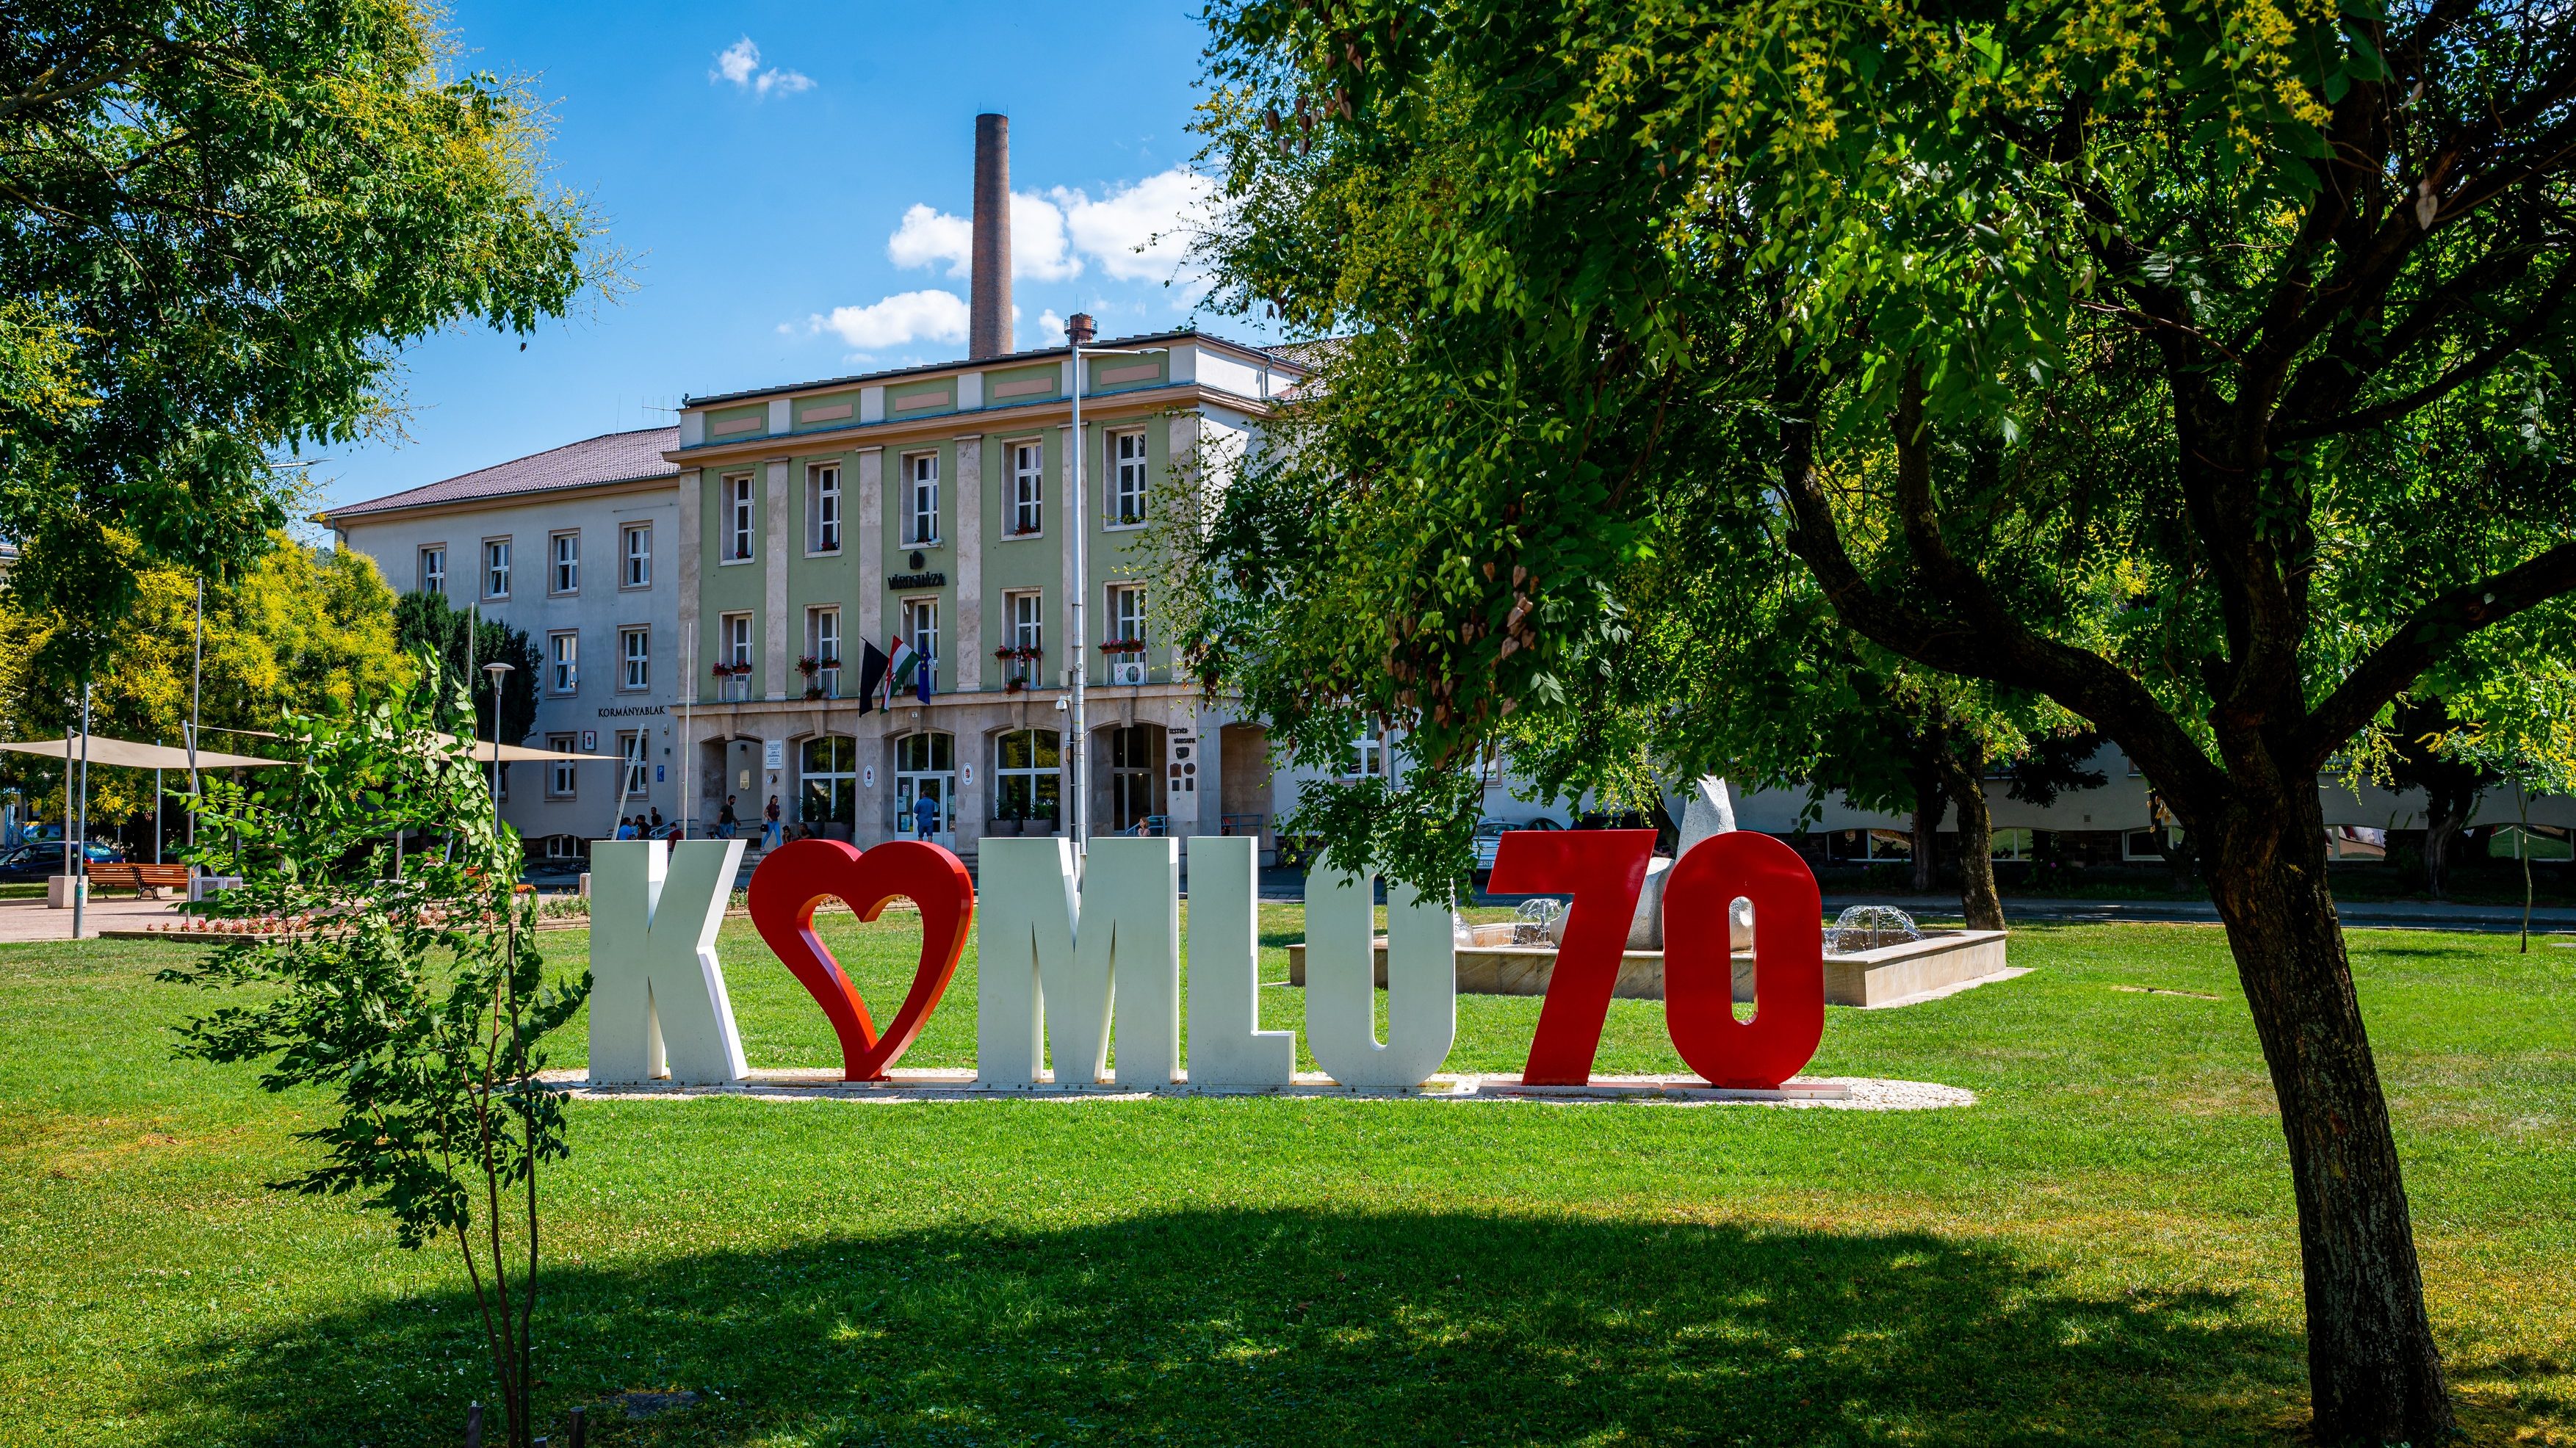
<point>617,457</point>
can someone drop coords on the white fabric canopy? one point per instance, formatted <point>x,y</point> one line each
<point>129,754</point>
<point>517,753</point>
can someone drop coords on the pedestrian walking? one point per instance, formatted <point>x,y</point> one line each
<point>925,817</point>
<point>769,835</point>
<point>726,821</point>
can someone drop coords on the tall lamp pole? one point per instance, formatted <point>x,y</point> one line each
<point>498,673</point>
<point>1078,333</point>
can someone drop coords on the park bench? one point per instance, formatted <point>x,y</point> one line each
<point>139,878</point>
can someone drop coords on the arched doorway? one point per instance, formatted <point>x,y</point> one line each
<point>925,767</point>
<point>1131,760</point>
<point>827,771</point>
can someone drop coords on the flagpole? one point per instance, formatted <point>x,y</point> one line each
<point>1078,752</point>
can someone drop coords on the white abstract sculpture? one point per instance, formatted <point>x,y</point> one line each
<point>657,994</point>
<point>1049,970</point>
<point>1341,981</point>
<point>1228,1048</point>
<point>1710,811</point>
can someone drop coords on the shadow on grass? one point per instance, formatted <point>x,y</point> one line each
<point>1212,1326</point>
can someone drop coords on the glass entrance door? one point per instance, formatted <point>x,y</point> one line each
<point>926,769</point>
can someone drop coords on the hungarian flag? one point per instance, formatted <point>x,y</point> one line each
<point>903,670</point>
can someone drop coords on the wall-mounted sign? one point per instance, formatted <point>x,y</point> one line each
<point>1051,983</point>
<point>589,740</point>
<point>917,580</point>
<point>632,711</point>
<point>773,754</point>
<point>868,776</point>
<point>657,772</point>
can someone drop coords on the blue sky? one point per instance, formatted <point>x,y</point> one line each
<point>789,183</point>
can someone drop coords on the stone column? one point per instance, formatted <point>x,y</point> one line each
<point>968,674</point>
<point>871,573</point>
<point>773,575</point>
<point>1061,644</point>
<point>686,656</point>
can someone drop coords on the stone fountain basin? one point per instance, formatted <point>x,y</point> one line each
<point>1942,961</point>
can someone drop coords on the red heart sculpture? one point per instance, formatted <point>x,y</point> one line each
<point>798,876</point>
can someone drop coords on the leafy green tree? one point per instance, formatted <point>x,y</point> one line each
<point>224,220</point>
<point>462,642</point>
<point>404,987</point>
<point>2189,366</point>
<point>301,630</point>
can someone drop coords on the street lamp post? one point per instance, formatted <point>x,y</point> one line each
<point>498,673</point>
<point>1078,333</point>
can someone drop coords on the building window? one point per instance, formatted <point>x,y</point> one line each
<point>1363,757</point>
<point>829,771</point>
<point>921,499</point>
<point>496,568</point>
<point>563,662</point>
<point>733,650</point>
<point>562,774</point>
<point>1027,636</point>
<point>630,748</point>
<point>921,630</point>
<point>1127,495</point>
<point>639,556</point>
<point>1027,775</point>
<point>1127,613</point>
<point>1028,490</point>
<point>823,508</point>
<point>737,518</point>
<point>823,647</point>
<point>565,551</point>
<point>635,658</point>
<point>433,569</point>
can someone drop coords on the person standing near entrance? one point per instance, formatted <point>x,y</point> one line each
<point>726,821</point>
<point>769,824</point>
<point>925,816</point>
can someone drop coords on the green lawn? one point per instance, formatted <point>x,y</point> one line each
<point>2100,1251</point>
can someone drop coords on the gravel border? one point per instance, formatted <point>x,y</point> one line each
<point>1836,1093</point>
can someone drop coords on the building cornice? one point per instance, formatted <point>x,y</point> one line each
<point>360,514</point>
<point>1005,420</point>
<point>931,371</point>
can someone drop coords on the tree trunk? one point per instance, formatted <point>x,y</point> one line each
<point>1966,787</point>
<point>2446,813</point>
<point>2374,1375</point>
<point>1927,811</point>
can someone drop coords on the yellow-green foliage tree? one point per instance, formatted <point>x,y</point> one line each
<point>302,630</point>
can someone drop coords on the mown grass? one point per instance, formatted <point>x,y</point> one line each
<point>2100,1251</point>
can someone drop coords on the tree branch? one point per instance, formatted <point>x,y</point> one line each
<point>2422,639</point>
<point>1996,647</point>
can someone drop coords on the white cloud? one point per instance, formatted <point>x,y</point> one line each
<point>1050,329</point>
<point>1141,231</point>
<point>926,238</point>
<point>739,65</point>
<point>735,63</point>
<point>1038,248</point>
<point>901,319</point>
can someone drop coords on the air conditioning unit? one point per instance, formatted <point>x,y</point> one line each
<point>1127,671</point>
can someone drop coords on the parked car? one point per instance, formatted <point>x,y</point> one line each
<point>1489,836</point>
<point>41,861</point>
